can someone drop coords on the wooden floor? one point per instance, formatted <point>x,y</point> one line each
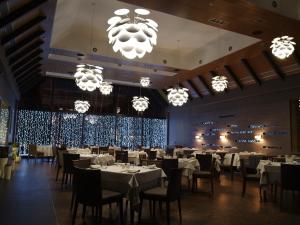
<point>33,197</point>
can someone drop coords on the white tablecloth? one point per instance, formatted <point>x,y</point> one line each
<point>99,159</point>
<point>134,156</point>
<point>45,149</point>
<point>240,155</point>
<point>181,150</point>
<point>189,166</point>
<point>159,152</point>
<point>79,150</point>
<point>269,172</point>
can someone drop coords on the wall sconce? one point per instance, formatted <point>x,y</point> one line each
<point>258,137</point>
<point>223,137</point>
<point>198,137</point>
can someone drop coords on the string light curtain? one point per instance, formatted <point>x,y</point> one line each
<point>153,137</point>
<point>4,117</point>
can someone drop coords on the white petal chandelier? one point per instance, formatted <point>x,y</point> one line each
<point>145,81</point>
<point>106,88</point>
<point>140,104</point>
<point>219,83</point>
<point>132,37</point>
<point>88,77</point>
<point>177,96</point>
<point>81,106</point>
<point>282,47</point>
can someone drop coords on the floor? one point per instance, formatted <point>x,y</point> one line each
<point>34,197</point>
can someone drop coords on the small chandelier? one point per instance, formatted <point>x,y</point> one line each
<point>67,116</point>
<point>145,81</point>
<point>282,47</point>
<point>88,77</point>
<point>106,88</point>
<point>91,119</point>
<point>81,106</point>
<point>140,104</point>
<point>177,96</point>
<point>132,37</point>
<point>219,83</point>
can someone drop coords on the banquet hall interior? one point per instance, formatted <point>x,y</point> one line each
<point>149,112</point>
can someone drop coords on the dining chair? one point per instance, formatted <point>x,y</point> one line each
<point>169,151</point>
<point>95,150</point>
<point>229,167</point>
<point>60,161</point>
<point>161,194</point>
<point>207,163</point>
<point>89,192</point>
<point>111,151</point>
<point>143,159</point>
<point>32,152</point>
<point>68,168</point>
<point>289,179</point>
<point>121,156</point>
<point>249,173</point>
<point>168,165</point>
<point>157,163</point>
<point>152,155</point>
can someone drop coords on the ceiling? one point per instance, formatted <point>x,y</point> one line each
<point>196,39</point>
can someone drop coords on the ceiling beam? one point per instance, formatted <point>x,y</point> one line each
<point>206,85</point>
<point>24,80</point>
<point>27,65</point>
<point>24,42</point>
<point>234,76</point>
<point>26,72</point>
<point>35,21</point>
<point>190,82</point>
<point>251,71</point>
<point>26,59</point>
<point>20,12</point>
<point>274,65</point>
<point>189,91</point>
<point>32,85</point>
<point>27,50</point>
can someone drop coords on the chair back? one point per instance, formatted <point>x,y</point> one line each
<point>68,162</point>
<point>187,153</point>
<point>174,185</point>
<point>152,155</point>
<point>169,151</point>
<point>251,163</point>
<point>157,163</point>
<point>168,165</point>
<point>95,150</point>
<point>121,156</point>
<point>290,177</point>
<point>88,188</point>
<point>147,150</point>
<point>103,149</point>
<point>205,161</point>
<point>111,151</point>
<point>232,159</point>
<point>60,158</point>
<point>32,150</point>
<point>82,163</point>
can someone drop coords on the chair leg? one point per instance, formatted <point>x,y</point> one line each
<point>281,197</point>
<point>140,211</point>
<point>231,172</point>
<point>154,208</point>
<point>212,186</point>
<point>63,180</point>
<point>83,211</point>
<point>168,212</point>
<point>75,212</point>
<point>179,209</point>
<point>100,214</point>
<point>150,207</point>
<point>72,200</point>
<point>121,211</point>
<point>275,193</point>
<point>244,188</point>
<point>58,169</point>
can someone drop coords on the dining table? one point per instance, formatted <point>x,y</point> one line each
<point>99,159</point>
<point>79,150</point>
<point>130,180</point>
<point>46,150</point>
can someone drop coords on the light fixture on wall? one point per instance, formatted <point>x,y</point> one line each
<point>133,37</point>
<point>219,83</point>
<point>282,47</point>
<point>223,137</point>
<point>88,77</point>
<point>106,88</point>
<point>145,81</point>
<point>140,104</point>
<point>81,106</point>
<point>178,96</point>
<point>258,137</point>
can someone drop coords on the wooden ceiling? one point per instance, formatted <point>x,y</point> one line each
<point>26,30</point>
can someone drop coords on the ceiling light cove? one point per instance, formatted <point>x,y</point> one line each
<point>132,37</point>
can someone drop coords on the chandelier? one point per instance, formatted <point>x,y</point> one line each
<point>177,96</point>
<point>106,88</point>
<point>140,104</point>
<point>132,37</point>
<point>81,106</point>
<point>145,81</point>
<point>88,77</point>
<point>282,47</point>
<point>69,116</point>
<point>219,83</point>
<point>91,119</point>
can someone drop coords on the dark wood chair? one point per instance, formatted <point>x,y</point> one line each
<point>168,165</point>
<point>229,167</point>
<point>33,153</point>
<point>68,168</point>
<point>89,192</point>
<point>143,159</point>
<point>290,175</point>
<point>152,155</point>
<point>60,161</point>
<point>168,195</point>
<point>249,173</point>
<point>95,150</point>
<point>121,156</point>
<point>207,163</point>
<point>158,163</point>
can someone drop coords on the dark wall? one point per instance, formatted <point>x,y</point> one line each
<point>267,107</point>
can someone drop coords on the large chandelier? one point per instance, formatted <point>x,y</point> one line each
<point>219,83</point>
<point>140,104</point>
<point>88,77</point>
<point>282,47</point>
<point>132,37</point>
<point>81,106</point>
<point>145,81</point>
<point>106,88</point>
<point>177,96</point>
